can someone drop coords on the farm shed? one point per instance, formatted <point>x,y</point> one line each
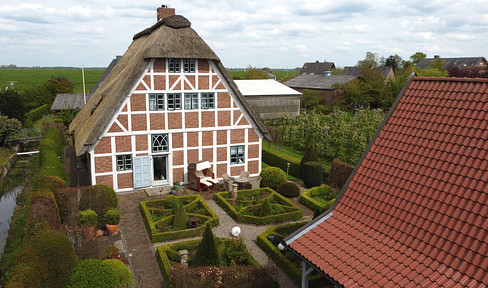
<point>168,102</point>
<point>73,101</point>
<point>269,98</point>
<point>414,211</point>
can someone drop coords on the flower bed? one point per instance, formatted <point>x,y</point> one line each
<point>286,260</point>
<point>158,216</point>
<point>319,198</point>
<point>247,207</point>
<point>233,252</point>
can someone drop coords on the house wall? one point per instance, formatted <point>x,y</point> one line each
<point>200,134</point>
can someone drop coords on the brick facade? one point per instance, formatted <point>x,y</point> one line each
<point>190,132</point>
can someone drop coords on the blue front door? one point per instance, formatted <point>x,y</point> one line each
<point>142,171</point>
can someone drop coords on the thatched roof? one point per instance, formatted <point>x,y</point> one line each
<point>319,82</point>
<point>171,37</point>
<point>73,101</point>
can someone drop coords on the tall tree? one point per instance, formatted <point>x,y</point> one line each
<point>12,104</point>
<point>394,61</point>
<point>417,57</point>
<point>371,60</point>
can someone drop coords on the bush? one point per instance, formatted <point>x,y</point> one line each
<point>272,177</point>
<point>7,127</point>
<point>288,189</point>
<point>325,192</point>
<point>265,208</point>
<point>46,261</point>
<point>87,217</point>
<point>95,198</point>
<point>339,173</point>
<point>314,174</point>
<point>309,155</point>
<point>35,114</point>
<point>275,158</point>
<point>43,206</point>
<point>93,273</point>
<point>207,253</point>
<point>180,221</point>
<point>112,200</point>
<point>112,217</point>
<point>125,277</point>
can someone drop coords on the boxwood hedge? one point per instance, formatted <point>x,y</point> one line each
<point>307,198</point>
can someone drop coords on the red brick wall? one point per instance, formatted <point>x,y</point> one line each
<point>237,136</point>
<point>191,119</point>
<point>177,139</point>
<point>221,137</point>
<point>157,121</point>
<point>192,155</point>
<point>253,151</point>
<point>115,128</point>
<point>222,154</point>
<point>223,100</point>
<point>104,146</point>
<point>224,118</point>
<point>243,122</point>
<point>236,170</point>
<point>174,121</point>
<point>138,102</point>
<point>172,81</point>
<point>191,80</point>
<point>160,65</point>
<point>221,169</point>
<point>124,120</point>
<point>125,181</point>
<point>106,180</point>
<point>103,164</point>
<point>207,154</point>
<point>141,143</point>
<point>178,158</point>
<point>237,114</point>
<point>178,174</point>
<point>253,167</point>
<point>139,122</point>
<point>159,82</point>
<point>207,138</point>
<point>252,136</point>
<point>203,82</point>
<point>123,144</point>
<point>192,139</point>
<point>208,119</point>
<point>203,66</point>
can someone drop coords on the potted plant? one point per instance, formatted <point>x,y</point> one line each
<point>175,188</point>
<point>112,252</point>
<point>88,220</point>
<point>112,218</point>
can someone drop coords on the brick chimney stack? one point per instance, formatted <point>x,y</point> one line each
<point>165,11</point>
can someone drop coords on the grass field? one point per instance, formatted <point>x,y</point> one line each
<point>280,74</point>
<point>27,78</point>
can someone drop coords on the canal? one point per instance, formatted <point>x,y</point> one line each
<point>10,188</point>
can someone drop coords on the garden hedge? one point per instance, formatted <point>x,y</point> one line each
<point>44,206</point>
<point>275,158</point>
<point>156,236</point>
<point>97,199</point>
<point>314,174</point>
<point>272,177</point>
<point>292,212</point>
<point>339,173</point>
<point>306,198</point>
<point>35,114</point>
<point>93,273</point>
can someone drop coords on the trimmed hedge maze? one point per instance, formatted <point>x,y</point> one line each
<point>319,198</point>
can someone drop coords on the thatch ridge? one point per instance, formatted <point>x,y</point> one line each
<point>162,41</point>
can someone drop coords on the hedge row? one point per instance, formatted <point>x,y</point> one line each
<point>51,154</point>
<point>306,198</point>
<point>35,114</point>
<point>293,212</point>
<point>339,173</point>
<point>156,236</point>
<point>277,159</point>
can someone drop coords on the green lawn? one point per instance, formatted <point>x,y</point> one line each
<point>298,154</point>
<point>5,153</point>
<point>27,78</point>
<point>280,74</point>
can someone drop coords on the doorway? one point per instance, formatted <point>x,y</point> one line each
<point>160,171</point>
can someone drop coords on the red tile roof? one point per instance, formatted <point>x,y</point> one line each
<point>415,213</point>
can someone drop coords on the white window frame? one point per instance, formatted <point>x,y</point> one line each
<point>237,154</point>
<point>123,162</point>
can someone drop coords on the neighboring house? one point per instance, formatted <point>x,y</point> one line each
<point>270,75</point>
<point>317,68</point>
<point>414,212</point>
<point>386,72</point>
<point>468,63</point>
<point>270,98</point>
<point>168,102</point>
<point>325,84</point>
<point>72,101</point>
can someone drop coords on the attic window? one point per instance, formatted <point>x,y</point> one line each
<point>189,65</point>
<point>174,65</point>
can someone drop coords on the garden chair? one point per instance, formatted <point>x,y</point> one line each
<point>228,181</point>
<point>255,182</point>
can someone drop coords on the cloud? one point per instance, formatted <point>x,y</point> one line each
<point>460,36</point>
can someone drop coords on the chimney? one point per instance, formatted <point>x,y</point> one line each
<point>165,11</point>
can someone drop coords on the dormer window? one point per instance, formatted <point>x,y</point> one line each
<point>174,65</point>
<point>189,65</point>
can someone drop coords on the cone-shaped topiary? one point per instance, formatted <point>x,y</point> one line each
<point>180,221</point>
<point>272,177</point>
<point>207,252</point>
<point>266,209</point>
<point>288,189</point>
<point>309,155</point>
<point>314,174</point>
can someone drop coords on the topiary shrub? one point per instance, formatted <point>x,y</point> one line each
<point>309,155</point>
<point>266,209</point>
<point>125,277</point>
<point>46,261</point>
<point>272,177</point>
<point>180,220</point>
<point>171,202</point>
<point>95,198</point>
<point>112,217</point>
<point>112,200</point>
<point>207,252</point>
<point>93,273</point>
<point>63,198</point>
<point>288,189</point>
<point>87,217</point>
<point>43,206</point>
<point>314,174</point>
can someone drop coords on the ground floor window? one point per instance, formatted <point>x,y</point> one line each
<point>237,154</point>
<point>160,143</point>
<point>124,162</point>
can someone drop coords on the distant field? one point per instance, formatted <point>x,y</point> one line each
<point>280,74</point>
<point>27,78</point>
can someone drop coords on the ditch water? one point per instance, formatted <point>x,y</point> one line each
<point>10,187</point>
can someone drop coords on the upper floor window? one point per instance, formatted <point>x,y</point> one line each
<point>189,65</point>
<point>160,143</point>
<point>156,102</point>
<point>208,100</point>
<point>237,154</point>
<point>191,101</point>
<point>124,162</point>
<point>174,101</point>
<point>174,65</point>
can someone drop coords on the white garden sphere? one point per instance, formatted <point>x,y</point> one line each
<point>236,231</point>
<point>281,247</point>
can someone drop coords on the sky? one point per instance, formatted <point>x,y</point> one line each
<point>270,33</point>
